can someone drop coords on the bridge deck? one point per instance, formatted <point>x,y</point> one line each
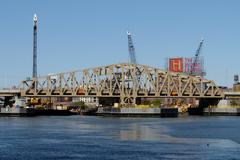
<point>9,92</point>
<point>232,94</point>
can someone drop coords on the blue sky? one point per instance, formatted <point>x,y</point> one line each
<point>75,34</point>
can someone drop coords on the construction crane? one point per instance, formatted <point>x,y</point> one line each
<point>196,61</point>
<point>132,56</point>
<point>131,49</point>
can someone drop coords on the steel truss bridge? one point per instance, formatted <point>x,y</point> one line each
<point>124,81</point>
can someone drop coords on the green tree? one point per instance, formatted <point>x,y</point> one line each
<point>156,102</point>
<point>80,104</point>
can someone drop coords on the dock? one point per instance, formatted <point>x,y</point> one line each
<point>222,111</point>
<point>8,111</point>
<point>138,112</point>
<point>22,112</point>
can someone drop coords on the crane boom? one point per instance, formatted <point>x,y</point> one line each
<point>131,49</point>
<point>196,57</point>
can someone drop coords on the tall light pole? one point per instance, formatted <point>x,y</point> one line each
<point>34,73</point>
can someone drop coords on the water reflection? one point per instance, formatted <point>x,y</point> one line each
<point>145,132</point>
<point>138,132</point>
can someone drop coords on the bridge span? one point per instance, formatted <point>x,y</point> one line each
<point>9,92</point>
<point>124,81</point>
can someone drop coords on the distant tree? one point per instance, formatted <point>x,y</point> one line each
<point>146,102</point>
<point>80,104</point>
<point>156,102</point>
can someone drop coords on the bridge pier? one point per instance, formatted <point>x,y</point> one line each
<point>206,102</point>
<point>203,103</point>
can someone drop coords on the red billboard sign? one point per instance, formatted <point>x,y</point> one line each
<point>176,64</point>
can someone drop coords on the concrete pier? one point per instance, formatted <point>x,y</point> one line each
<point>222,111</point>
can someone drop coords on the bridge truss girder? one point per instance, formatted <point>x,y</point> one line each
<point>126,81</point>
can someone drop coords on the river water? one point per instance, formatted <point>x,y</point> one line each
<point>92,138</point>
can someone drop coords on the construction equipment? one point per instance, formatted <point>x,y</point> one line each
<point>132,56</point>
<point>131,49</point>
<point>33,101</point>
<point>196,62</point>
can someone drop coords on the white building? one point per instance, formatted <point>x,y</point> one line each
<point>87,100</point>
